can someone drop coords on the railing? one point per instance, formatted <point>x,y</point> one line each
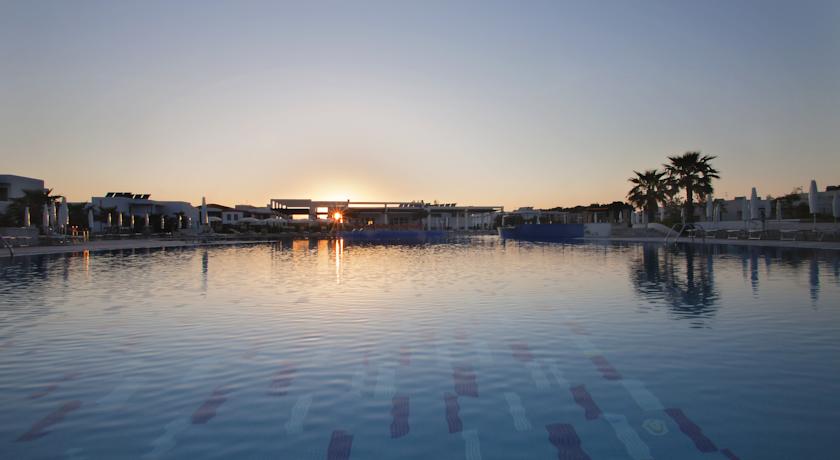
<point>668,235</point>
<point>8,246</point>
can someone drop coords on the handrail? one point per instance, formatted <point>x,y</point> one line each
<point>668,235</point>
<point>8,246</point>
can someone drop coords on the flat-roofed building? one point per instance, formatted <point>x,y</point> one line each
<point>139,205</point>
<point>12,186</point>
<point>389,214</point>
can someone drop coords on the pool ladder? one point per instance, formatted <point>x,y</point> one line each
<point>8,246</point>
<point>672,229</point>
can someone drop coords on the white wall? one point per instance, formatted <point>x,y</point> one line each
<point>15,185</point>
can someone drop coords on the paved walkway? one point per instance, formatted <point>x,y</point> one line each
<point>111,245</point>
<point>827,245</point>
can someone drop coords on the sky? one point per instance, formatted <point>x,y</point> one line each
<point>477,102</point>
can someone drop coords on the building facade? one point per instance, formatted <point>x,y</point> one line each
<point>416,215</point>
<point>139,206</point>
<point>12,187</point>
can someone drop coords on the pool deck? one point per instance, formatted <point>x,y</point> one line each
<point>115,245</point>
<point>821,245</point>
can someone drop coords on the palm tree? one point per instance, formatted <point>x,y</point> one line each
<point>693,173</point>
<point>35,200</point>
<point>650,188</point>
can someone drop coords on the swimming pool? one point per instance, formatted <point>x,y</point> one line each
<point>468,349</point>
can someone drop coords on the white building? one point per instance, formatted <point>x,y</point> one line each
<point>139,205</point>
<point>12,187</point>
<point>389,214</point>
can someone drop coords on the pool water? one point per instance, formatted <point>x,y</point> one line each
<point>468,349</point>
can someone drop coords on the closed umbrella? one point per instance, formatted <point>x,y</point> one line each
<point>53,217</point>
<point>778,209</point>
<point>162,222</point>
<point>64,214</point>
<point>709,207</point>
<point>27,221</point>
<point>745,210</point>
<point>717,213</point>
<point>90,219</point>
<point>204,219</point>
<point>45,219</point>
<point>768,208</point>
<point>119,219</point>
<point>131,222</point>
<point>813,205</point>
<point>109,219</point>
<point>146,221</point>
<point>179,221</point>
<point>835,206</point>
<point>753,204</point>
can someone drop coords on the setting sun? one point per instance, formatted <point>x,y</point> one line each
<point>337,216</point>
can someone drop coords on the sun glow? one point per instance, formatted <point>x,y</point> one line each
<point>337,216</point>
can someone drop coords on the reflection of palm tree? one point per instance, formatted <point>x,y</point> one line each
<point>693,173</point>
<point>690,293</point>
<point>649,189</point>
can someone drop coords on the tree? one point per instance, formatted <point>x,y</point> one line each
<point>650,189</point>
<point>693,173</point>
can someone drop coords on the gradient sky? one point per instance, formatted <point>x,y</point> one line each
<point>511,103</point>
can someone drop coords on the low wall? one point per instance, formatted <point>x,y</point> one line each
<point>597,230</point>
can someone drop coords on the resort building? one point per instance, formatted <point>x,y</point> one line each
<point>12,187</point>
<point>256,212</point>
<point>389,214</point>
<point>794,206</point>
<point>215,212</point>
<point>125,205</point>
